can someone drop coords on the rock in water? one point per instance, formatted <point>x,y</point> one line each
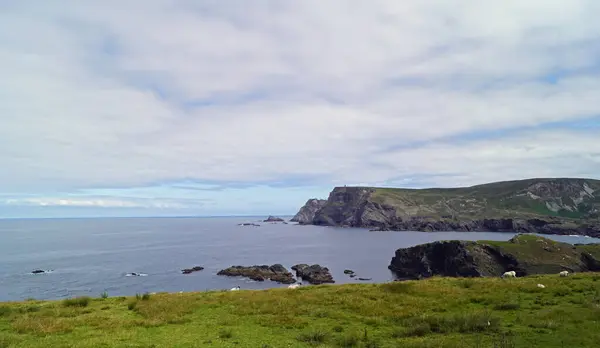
<point>307,212</point>
<point>314,274</point>
<point>525,254</point>
<point>348,271</point>
<point>191,270</point>
<point>134,274</point>
<point>38,271</point>
<point>248,224</point>
<point>273,219</point>
<point>277,273</point>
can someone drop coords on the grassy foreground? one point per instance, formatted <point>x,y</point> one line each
<point>437,312</point>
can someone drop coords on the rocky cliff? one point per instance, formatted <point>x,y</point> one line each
<point>308,211</point>
<point>525,254</point>
<point>549,206</point>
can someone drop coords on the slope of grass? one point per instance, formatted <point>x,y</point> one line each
<point>495,200</point>
<point>437,312</point>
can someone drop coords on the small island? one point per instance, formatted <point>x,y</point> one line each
<point>272,218</point>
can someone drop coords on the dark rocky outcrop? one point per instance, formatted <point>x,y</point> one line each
<point>277,273</point>
<point>248,224</point>
<point>547,206</point>
<point>38,271</point>
<point>274,219</point>
<point>348,271</point>
<point>308,211</point>
<point>191,270</point>
<point>525,254</point>
<point>550,225</point>
<point>135,274</point>
<point>314,274</point>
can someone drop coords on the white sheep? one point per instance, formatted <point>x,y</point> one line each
<point>512,274</point>
<point>235,289</point>
<point>293,286</point>
<point>564,273</point>
<point>541,286</point>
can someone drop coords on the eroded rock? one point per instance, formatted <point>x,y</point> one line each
<point>277,273</point>
<point>314,274</point>
<point>192,270</point>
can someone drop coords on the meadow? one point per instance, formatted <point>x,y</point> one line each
<point>435,312</point>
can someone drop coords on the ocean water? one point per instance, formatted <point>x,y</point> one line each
<point>90,256</point>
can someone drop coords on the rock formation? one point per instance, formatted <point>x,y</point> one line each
<point>277,273</point>
<point>547,206</point>
<point>274,219</point>
<point>307,212</point>
<point>191,270</point>
<point>314,274</point>
<point>524,254</point>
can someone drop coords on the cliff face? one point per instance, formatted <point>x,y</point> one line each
<point>525,254</point>
<point>308,211</point>
<point>353,207</point>
<point>551,206</point>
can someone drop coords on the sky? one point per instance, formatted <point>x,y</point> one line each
<point>251,107</point>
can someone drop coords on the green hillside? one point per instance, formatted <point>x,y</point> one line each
<point>562,197</point>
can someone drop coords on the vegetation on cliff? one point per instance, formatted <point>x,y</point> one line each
<point>436,312</point>
<point>525,254</point>
<point>552,206</point>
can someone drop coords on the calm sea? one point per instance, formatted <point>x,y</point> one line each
<point>90,256</point>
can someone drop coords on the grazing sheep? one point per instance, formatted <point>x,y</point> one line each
<point>541,286</point>
<point>512,274</point>
<point>293,286</point>
<point>235,289</point>
<point>564,273</point>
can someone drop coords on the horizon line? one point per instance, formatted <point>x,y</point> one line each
<point>143,217</point>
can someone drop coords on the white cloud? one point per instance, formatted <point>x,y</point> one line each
<point>92,202</point>
<point>113,94</point>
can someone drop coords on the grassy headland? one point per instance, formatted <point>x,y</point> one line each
<point>436,312</point>
<point>566,198</point>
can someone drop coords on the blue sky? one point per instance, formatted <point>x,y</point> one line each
<point>252,107</point>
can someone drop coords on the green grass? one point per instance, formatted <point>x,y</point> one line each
<point>77,302</point>
<point>436,312</point>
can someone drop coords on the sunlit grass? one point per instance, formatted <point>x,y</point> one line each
<point>437,312</point>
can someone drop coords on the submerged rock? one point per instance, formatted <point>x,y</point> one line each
<point>348,271</point>
<point>191,270</point>
<point>248,224</point>
<point>277,273</point>
<point>314,274</point>
<point>38,271</point>
<point>134,274</point>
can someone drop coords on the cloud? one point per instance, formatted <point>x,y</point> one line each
<point>114,95</point>
<point>96,202</point>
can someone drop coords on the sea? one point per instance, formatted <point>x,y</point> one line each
<point>87,257</point>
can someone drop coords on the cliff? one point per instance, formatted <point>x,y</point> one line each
<point>525,254</point>
<point>549,206</point>
<point>308,211</point>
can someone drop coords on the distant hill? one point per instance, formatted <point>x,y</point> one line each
<point>545,205</point>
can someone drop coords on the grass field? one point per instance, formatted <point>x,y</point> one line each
<point>437,312</point>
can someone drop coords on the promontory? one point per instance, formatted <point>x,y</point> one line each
<point>543,205</point>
